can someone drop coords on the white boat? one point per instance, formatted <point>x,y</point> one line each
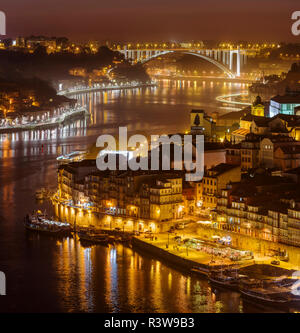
<point>74,156</point>
<point>40,223</point>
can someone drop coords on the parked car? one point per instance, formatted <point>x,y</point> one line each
<point>180,226</point>
<point>117,229</point>
<point>275,262</point>
<point>172,229</point>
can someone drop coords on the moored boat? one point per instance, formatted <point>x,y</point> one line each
<point>222,280</point>
<point>40,223</point>
<point>200,270</point>
<point>228,277</point>
<point>266,297</point>
<point>93,237</point>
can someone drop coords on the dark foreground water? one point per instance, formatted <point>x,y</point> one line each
<point>59,275</point>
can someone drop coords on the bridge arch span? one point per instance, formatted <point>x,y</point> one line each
<point>212,61</point>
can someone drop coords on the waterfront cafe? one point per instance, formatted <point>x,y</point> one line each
<point>218,250</point>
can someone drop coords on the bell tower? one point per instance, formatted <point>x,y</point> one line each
<point>197,120</point>
<point>258,108</point>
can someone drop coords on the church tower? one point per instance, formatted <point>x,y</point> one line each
<point>201,123</point>
<point>258,108</point>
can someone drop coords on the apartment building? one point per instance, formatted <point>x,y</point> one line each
<point>213,181</point>
<point>262,208</point>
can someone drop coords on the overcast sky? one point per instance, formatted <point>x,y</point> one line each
<point>153,19</point>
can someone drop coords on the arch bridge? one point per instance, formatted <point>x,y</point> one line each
<point>222,58</point>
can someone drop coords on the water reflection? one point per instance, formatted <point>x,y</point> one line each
<point>118,279</point>
<point>62,275</point>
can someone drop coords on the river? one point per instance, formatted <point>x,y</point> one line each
<point>59,275</point>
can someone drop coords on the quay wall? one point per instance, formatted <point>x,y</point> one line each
<point>166,256</point>
<point>260,247</point>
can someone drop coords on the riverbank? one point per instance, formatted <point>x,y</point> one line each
<point>262,249</point>
<point>48,124</point>
<point>80,89</point>
<point>181,256</point>
<point>199,263</point>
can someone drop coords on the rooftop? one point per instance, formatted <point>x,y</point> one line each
<point>197,111</point>
<point>289,98</point>
<point>290,149</point>
<point>240,131</point>
<point>261,121</point>
<point>222,168</point>
<point>292,120</point>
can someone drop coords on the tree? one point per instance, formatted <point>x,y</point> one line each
<point>40,51</point>
<point>197,120</point>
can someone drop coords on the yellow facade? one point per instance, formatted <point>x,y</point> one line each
<point>213,182</point>
<point>258,110</point>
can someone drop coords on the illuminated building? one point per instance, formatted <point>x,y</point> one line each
<point>253,120</point>
<point>284,104</point>
<point>258,108</point>
<point>214,180</point>
<point>202,123</point>
<point>268,145</point>
<point>263,207</point>
<point>33,42</point>
<point>287,157</point>
<point>147,195</point>
<point>250,152</point>
<point>233,154</point>
<point>166,199</point>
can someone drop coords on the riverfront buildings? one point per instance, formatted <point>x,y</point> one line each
<point>142,196</point>
<point>252,191</point>
<point>264,207</point>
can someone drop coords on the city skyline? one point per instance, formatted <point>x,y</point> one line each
<point>191,20</point>
<point>150,159</point>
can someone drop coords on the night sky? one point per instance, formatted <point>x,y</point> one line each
<point>135,20</point>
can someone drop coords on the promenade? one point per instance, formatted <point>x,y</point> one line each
<point>105,87</point>
<point>47,123</point>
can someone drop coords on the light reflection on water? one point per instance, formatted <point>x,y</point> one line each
<point>126,281</point>
<point>46,274</point>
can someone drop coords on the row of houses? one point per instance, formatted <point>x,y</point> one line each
<point>263,207</point>
<point>142,194</point>
<point>272,151</point>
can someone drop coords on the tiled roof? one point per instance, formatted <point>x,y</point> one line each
<point>241,131</point>
<point>287,98</point>
<point>261,121</point>
<point>292,120</point>
<point>288,149</point>
<point>222,168</point>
